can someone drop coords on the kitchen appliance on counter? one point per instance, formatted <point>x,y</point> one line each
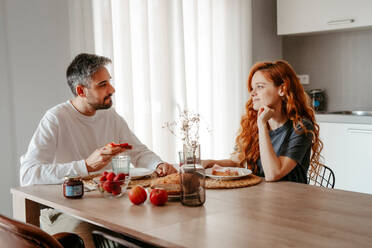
<point>317,97</point>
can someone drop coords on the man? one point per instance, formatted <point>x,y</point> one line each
<point>71,137</point>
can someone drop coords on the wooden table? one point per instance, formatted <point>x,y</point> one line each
<point>278,214</point>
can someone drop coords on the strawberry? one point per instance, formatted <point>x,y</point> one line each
<point>105,173</point>
<point>108,186</point>
<point>119,177</point>
<point>110,176</point>
<point>116,189</point>
<point>126,146</point>
<point>102,178</point>
<point>123,145</point>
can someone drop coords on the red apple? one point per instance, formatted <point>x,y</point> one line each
<point>158,197</point>
<point>137,195</point>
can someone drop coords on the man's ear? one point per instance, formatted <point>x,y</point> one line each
<point>80,90</point>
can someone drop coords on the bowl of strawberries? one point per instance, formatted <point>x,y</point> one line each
<point>111,184</point>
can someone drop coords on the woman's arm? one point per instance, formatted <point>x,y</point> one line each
<point>274,167</point>
<point>225,163</point>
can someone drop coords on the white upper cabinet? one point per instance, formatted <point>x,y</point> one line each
<point>308,16</point>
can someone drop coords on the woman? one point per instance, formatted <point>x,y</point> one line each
<point>278,137</point>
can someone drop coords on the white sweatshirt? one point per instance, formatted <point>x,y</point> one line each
<point>65,138</point>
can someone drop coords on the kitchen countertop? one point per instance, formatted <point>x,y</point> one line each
<point>340,118</point>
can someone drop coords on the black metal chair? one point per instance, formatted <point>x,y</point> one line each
<point>323,176</point>
<point>108,239</point>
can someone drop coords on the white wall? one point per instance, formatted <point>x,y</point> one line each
<point>35,51</point>
<point>267,45</point>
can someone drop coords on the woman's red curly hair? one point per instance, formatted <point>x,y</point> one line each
<point>296,106</point>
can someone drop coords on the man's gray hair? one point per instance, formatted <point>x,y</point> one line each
<point>82,68</point>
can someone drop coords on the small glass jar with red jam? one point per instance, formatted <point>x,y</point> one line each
<point>73,187</point>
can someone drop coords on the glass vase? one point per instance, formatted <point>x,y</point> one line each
<point>192,176</point>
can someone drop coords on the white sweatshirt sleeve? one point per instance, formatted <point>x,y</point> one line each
<point>37,165</point>
<point>140,155</point>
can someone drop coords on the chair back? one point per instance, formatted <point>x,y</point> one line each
<point>108,239</point>
<point>18,234</point>
<point>323,176</point>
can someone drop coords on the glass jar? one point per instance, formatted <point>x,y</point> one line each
<point>192,175</point>
<point>73,187</point>
<point>317,97</point>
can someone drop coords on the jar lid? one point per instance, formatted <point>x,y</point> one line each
<point>72,177</point>
<point>314,91</point>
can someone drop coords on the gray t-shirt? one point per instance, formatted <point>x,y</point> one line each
<point>297,146</point>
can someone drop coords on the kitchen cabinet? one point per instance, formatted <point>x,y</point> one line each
<point>348,152</point>
<point>304,16</point>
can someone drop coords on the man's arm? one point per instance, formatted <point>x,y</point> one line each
<point>37,165</point>
<point>34,172</point>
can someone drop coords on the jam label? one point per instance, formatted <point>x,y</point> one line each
<point>74,190</point>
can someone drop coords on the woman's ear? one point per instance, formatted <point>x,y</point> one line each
<point>80,90</point>
<point>281,90</point>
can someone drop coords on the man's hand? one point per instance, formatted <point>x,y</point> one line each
<point>101,157</point>
<point>165,169</point>
<point>264,115</point>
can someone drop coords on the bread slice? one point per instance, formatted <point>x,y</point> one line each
<point>220,171</point>
<point>170,183</point>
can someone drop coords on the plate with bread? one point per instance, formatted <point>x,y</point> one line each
<point>226,173</point>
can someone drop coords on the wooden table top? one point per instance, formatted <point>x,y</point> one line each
<point>277,214</point>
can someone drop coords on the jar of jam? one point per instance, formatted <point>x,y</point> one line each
<point>73,187</point>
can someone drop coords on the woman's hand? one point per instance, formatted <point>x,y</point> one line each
<point>224,163</point>
<point>207,163</point>
<point>264,115</point>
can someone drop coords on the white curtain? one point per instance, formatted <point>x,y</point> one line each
<point>170,55</point>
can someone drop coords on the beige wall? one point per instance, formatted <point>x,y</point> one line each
<point>35,51</point>
<point>267,45</point>
<point>340,63</point>
<point>7,144</point>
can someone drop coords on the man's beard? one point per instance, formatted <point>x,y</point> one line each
<point>102,105</point>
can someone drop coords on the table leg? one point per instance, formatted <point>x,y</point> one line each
<point>26,210</point>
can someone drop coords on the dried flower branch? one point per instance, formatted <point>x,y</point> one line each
<point>186,127</point>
